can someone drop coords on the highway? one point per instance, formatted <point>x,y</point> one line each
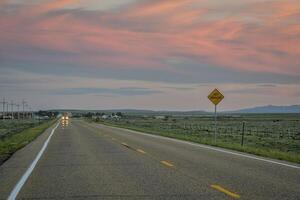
<point>92,161</point>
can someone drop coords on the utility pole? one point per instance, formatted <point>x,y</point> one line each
<point>7,108</point>
<point>12,109</point>
<point>3,108</point>
<point>26,110</point>
<point>23,104</point>
<point>18,111</point>
<point>30,112</point>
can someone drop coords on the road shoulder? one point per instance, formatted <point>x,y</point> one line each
<point>13,169</point>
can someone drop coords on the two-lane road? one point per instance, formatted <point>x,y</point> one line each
<point>84,160</point>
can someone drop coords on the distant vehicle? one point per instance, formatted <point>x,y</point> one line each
<point>6,117</point>
<point>65,116</point>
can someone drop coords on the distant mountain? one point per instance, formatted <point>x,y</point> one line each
<point>262,109</point>
<point>270,109</point>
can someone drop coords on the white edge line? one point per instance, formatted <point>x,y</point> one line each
<point>14,193</point>
<point>208,147</point>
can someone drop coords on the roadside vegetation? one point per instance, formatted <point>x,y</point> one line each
<point>270,135</point>
<point>15,134</point>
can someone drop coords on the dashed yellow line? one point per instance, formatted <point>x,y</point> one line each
<point>229,193</point>
<point>125,144</point>
<point>141,151</point>
<point>166,163</point>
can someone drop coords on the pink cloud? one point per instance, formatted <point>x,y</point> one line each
<point>156,8</point>
<point>270,45</point>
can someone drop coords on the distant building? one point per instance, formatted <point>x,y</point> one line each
<point>6,117</point>
<point>116,117</point>
<point>104,116</point>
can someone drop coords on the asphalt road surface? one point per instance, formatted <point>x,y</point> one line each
<point>92,161</point>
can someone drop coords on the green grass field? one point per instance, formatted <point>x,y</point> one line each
<point>275,135</point>
<point>17,138</point>
<point>10,127</point>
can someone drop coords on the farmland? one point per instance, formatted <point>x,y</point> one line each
<point>10,127</point>
<point>271,135</point>
<point>15,134</point>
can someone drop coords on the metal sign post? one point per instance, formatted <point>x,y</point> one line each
<point>215,123</point>
<point>215,97</point>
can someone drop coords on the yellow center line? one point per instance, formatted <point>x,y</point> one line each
<point>141,151</point>
<point>229,193</point>
<point>167,163</point>
<point>125,144</point>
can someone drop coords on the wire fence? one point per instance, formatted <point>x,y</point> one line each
<point>276,130</point>
<point>283,135</point>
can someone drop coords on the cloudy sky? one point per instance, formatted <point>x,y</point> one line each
<point>150,54</point>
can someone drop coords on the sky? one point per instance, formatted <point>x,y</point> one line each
<point>149,54</point>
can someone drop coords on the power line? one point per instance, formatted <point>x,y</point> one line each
<point>13,110</point>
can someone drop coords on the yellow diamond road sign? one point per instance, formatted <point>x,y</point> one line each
<point>216,97</point>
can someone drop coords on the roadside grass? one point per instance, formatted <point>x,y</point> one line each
<point>11,144</point>
<point>221,142</point>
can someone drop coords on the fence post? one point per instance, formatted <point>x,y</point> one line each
<point>243,133</point>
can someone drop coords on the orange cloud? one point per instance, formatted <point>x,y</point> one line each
<point>50,6</point>
<point>131,38</point>
<point>157,8</point>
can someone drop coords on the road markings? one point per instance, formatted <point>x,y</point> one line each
<point>167,163</point>
<point>229,193</point>
<point>14,193</point>
<point>210,148</point>
<point>141,151</point>
<point>125,144</point>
